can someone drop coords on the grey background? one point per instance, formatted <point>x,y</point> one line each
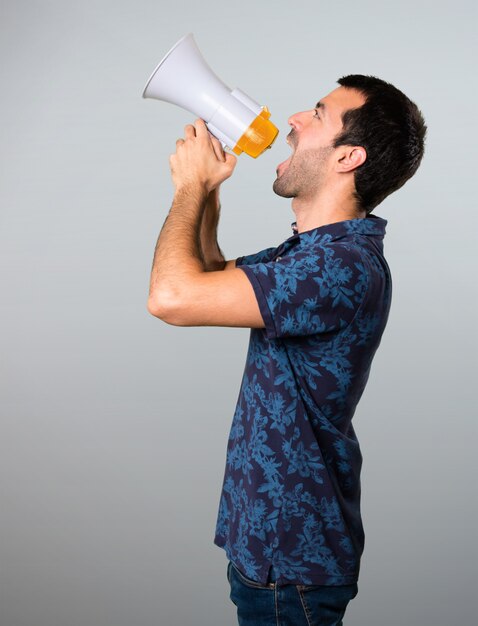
<point>113,424</point>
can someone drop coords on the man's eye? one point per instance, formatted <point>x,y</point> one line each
<point>316,114</point>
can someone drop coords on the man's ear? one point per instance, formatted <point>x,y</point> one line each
<point>350,157</point>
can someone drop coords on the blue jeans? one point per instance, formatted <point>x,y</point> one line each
<point>287,605</point>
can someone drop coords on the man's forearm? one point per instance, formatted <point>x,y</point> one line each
<point>198,167</point>
<point>211,253</point>
<point>177,257</point>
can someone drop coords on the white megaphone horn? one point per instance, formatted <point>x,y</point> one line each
<point>184,78</point>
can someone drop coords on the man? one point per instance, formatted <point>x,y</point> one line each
<point>289,516</point>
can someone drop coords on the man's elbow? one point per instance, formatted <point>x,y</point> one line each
<point>166,307</point>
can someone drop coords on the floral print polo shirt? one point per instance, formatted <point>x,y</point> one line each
<point>291,492</point>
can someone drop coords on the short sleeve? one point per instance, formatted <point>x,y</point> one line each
<point>264,256</point>
<point>310,291</point>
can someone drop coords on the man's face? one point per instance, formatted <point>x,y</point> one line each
<point>309,167</point>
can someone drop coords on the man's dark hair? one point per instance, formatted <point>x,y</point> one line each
<point>392,130</point>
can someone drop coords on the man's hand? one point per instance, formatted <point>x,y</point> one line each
<point>199,160</point>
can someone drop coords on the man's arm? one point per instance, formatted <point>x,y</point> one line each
<point>211,252</point>
<point>182,290</point>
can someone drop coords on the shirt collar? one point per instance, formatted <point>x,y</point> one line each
<point>370,225</point>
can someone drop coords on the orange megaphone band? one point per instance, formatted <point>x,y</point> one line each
<point>259,135</point>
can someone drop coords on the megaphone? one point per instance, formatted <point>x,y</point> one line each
<point>184,78</point>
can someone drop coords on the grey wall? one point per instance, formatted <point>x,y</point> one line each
<point>114,425</point>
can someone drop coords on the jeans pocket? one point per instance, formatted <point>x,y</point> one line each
<point>233,572</point>
<point>326,604</point>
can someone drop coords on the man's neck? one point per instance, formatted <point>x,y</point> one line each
<point>326,209</point>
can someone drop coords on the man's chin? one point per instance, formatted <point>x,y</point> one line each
<point>281,190</point>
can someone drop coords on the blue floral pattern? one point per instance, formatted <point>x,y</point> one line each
<point>291,492</point>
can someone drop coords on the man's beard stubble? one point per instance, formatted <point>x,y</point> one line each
<point>304,174</point>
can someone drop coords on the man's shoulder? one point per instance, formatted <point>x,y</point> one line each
<point>263,256</point>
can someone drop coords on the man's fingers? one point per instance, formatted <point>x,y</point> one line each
<point>201,128</point>
<point>189,131</point>
<point>217,145</point>
<point>202,132</point>
<point>231,160</point>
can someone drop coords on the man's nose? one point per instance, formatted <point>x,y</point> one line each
<point>297,120</point>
